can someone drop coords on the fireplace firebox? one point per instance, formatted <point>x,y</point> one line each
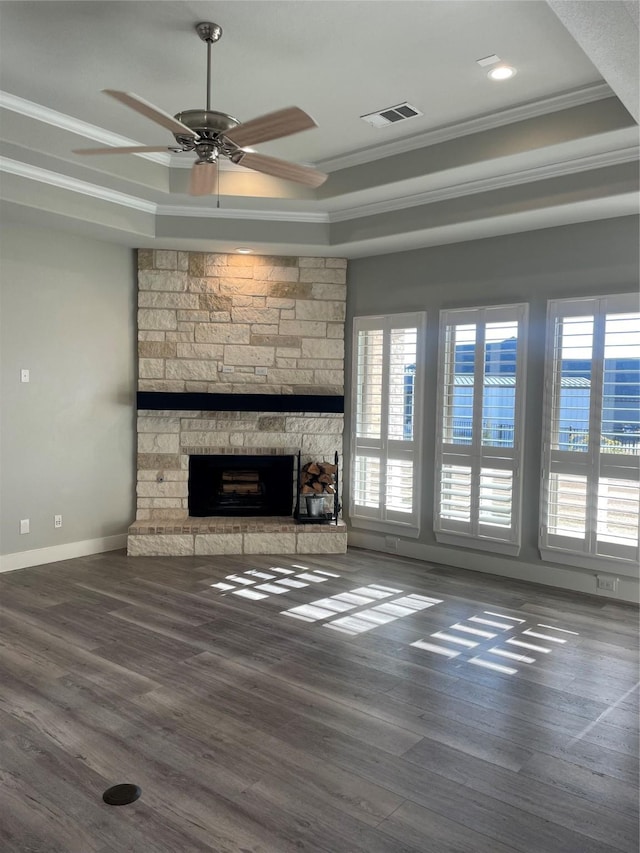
<point>240,485</point>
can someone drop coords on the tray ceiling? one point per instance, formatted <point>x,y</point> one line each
<point>553,145</point>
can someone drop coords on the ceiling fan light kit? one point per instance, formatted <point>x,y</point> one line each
<point>211,134</point>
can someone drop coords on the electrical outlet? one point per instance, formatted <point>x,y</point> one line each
<point>227,368</point>
<point>609,583</point>
<point>24,525</point>
<point>57,521</point>
<point>261,371</point>
<point>391,543</point>
<point>24,375</point>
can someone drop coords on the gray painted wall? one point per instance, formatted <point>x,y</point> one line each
<point>67,307</point>
<point>577,260</point>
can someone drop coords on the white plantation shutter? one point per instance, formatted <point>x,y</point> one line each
<point>480,423</point>
<point>387,384</point>
<point>591,452</point>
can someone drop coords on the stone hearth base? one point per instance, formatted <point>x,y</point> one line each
<point>209,536</point>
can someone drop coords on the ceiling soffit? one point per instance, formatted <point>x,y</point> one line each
<point>363,206</point>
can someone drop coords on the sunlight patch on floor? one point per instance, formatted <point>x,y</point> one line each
<point>488,645</point>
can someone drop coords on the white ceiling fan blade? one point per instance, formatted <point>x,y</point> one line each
<point>270,126</point>
<point>150,111</point>
<point>282,169</point>
<point>131,149</point>
<point>203,178</point>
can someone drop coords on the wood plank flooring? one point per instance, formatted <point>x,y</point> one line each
<point>361,703</point>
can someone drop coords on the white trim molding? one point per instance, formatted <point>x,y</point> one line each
<point>229,213</point>
<point>64,182</point>
<point>30,109</point>
<point>56,553</point>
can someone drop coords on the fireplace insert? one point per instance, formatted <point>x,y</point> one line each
<point>240,485</point>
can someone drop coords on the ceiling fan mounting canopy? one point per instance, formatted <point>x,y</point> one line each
<point>208,31</point>
<point>210,133</point>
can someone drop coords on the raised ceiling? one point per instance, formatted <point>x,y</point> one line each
<point>556,144</point>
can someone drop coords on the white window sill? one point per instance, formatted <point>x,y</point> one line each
<point>394,528</point>
<point>496,546</point>
<point>625,568</point>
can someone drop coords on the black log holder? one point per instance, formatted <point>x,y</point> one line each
<point>323,517</point>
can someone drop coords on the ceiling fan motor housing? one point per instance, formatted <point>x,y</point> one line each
<point>208,124</point>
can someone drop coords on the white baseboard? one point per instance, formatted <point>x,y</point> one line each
<point>55,553</point>
<point>576,580</point>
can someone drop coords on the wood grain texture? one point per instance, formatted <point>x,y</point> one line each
<point>253,731</point>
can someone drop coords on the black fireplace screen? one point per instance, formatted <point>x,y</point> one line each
<point>240,485</point>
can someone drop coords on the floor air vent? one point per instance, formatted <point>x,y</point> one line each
<point>391,115</point>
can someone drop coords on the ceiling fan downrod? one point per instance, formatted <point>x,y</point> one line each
<point>209,33</point>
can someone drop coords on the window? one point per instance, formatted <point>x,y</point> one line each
<point>480,421</point>
<point>590,487</point>
<point>386,407</point>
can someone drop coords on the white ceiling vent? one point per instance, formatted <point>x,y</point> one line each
<point>391,115</point>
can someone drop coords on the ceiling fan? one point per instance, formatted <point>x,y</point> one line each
<point>211,134</point>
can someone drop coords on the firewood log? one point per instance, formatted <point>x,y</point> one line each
<point>240,489</point>
<point>313,468</point>
<point>241,476</point>
<point>329,490</point>
<point>307,490</point>
<point>317,487</point>
<point>325,478</point>
<point>327,468</point>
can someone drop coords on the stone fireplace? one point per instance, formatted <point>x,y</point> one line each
<point>239,357</point>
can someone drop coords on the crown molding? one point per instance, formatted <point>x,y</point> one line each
<point>235,213</point>
<point>555,103</point>
<point>15,104</point>
<point>53,179</point>
<point>466,188</point>
<point>481,185</point>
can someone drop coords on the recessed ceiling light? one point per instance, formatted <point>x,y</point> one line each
<point>242,250</point>
<point>502,72</point>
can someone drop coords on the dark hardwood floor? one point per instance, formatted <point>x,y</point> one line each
<point>351,704</point>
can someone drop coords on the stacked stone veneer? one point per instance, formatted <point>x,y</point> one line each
<point>234,324</point>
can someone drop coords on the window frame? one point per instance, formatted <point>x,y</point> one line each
<point>380,519</point>
<point>590,464</point>
<point>476,456</point>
